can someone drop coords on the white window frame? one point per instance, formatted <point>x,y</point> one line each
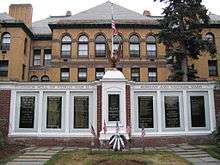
<point>136,121</point>
<point>207,111</point>
<point>17,112</point>
<point>44,115</point>
<point>182,124</point>
<point>91,112</point>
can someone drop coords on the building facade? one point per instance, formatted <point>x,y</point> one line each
<point>56,81</point>
<point>74,47</point>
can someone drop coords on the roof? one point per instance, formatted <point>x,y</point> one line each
<point>4,17</point>
<point>101,14</point>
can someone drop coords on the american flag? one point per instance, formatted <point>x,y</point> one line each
<point>117,127</point>
<point>104,128</point>
<point>114,30</point>
<point>93,130</point>
<point>142,132</point>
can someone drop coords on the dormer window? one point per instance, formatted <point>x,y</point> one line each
<point>6,40</point>
<point>66,43</point>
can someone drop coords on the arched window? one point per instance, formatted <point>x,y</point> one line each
<point>45,78</point>
<point>151,46</point>
<point>134,46</point>
<point>6,40</point>
<point>66,46</point>
<point>83,46</point>
<point>100,46</point>
<point>210,37</point>
<point>34,78</point>
<point>116,41</point>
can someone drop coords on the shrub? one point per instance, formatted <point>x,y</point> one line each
<point>2,141</point>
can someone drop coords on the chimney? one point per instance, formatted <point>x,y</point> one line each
<point>22,12</point>
<point>146,13</point>
<point>68,13</point>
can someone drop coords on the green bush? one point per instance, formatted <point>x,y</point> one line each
<point>2,141</point>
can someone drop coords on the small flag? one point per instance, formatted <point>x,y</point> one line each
<point>142,132</point>
<point>114,30</point>
<point>93,130</point>
<point>104,128</point>
<point>117,127</point>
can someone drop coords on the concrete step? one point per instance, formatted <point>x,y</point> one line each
<point>195,156</point>
<point>40,153</point>
<point>34,157</point>
<point>25,163</point>
<point>30,160</point>
<point>191,153</point>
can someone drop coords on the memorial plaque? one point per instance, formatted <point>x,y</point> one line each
<point>113,107</point>
<point>27,107</point>
<point>81,112</point>
<point>172,112</point>
<point>145,112</point>
<point>197,111</point>
<point>54,108</point>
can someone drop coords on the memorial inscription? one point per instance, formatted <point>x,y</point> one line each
<point>113,107</point>
<point>27,112</point>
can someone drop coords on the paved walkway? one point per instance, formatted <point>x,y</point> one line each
<point>35,156</point>
<point>194,155</point>
<point>40,155</point>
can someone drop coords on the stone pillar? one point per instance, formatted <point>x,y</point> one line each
<point>99,109</point>
<point>5,96</point>
<point>114,83</point>
<point>128,105</point>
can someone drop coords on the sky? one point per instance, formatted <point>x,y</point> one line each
<point>45,8</point>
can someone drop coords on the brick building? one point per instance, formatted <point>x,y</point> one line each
<point>49,72</point>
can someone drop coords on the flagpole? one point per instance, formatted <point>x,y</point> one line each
<point>112,31</point>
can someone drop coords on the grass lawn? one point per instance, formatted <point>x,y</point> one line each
<point>213,150</point>
<point>87,157</point>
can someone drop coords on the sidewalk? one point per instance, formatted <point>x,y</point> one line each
<point>40,155</point>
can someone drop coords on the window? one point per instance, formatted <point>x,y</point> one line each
<point>152,74</point>
<point>37,54</point>
<point>100,46</point>
<point>151,47</point>
<point>6,40</point>
<point>145,112</point>
<point>4,68</point>
<point>197,111</point>
<point>54,108</point>
<point>83,46</point>
<point>34,78</point>
<point>65,74</point>
<point>25,46</point>
<point>99,73</point>
<point>135,74</point>
<point>172,111</point>
<point>23,71</point>
<point>47,57</point>
<point>81,112</point>
<point>45,78</point>
<point>213,67</point>
<point>116,42</point>
<point>27,106</point>
<point>113,107</point>
<point>134,46</point>
<point>66,46</point>
<point>82,74</point>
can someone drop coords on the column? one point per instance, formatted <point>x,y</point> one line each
<point>159,111</point>
<point>67,111</point>
<point>40,110</point>
<point>212,110</point>
<point>185,111</point>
